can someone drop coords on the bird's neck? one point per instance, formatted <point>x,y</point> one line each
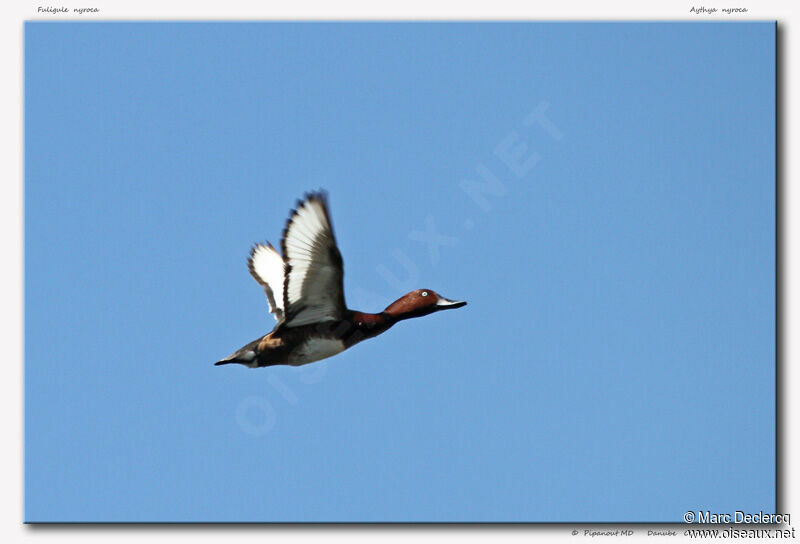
<point>371,320</point>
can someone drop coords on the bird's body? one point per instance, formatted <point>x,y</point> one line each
<point>305,292</point>
<point>310,343</point>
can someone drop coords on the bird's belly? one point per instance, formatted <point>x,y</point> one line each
<point>314,349</point>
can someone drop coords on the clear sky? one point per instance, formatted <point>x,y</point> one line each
<point>601,194</point>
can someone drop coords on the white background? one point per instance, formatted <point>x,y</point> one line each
<point>11,238</point>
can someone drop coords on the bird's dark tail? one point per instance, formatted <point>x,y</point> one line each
<point>248,356</point>
<point>236,358</point>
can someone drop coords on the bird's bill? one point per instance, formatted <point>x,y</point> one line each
<point>447,304</point>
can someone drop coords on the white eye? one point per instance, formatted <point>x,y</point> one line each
<point>424,293</point>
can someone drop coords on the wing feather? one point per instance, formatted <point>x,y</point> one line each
<point>313,291</point>
<point>267,267</point>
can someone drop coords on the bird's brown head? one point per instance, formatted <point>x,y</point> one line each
<point>420,302</point>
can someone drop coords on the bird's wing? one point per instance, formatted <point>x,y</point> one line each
<point>268,269</point>
<point>314,291</point>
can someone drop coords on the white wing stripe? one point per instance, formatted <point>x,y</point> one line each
<point>268,269</point>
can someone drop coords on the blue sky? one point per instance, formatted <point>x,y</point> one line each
<point>601,194</point>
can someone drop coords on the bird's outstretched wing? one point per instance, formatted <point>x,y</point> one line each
<point>313,291</point>
<point>267,267</point>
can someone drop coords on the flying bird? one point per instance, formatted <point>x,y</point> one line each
<point>305,293</point>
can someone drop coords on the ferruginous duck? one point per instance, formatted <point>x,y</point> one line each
<point>305,292</point>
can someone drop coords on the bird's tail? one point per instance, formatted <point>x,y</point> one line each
<point>248,356</point>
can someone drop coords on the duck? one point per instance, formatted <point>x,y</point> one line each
<point>305,292</point>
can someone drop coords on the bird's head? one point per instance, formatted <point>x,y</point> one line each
<point>421,302</point>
